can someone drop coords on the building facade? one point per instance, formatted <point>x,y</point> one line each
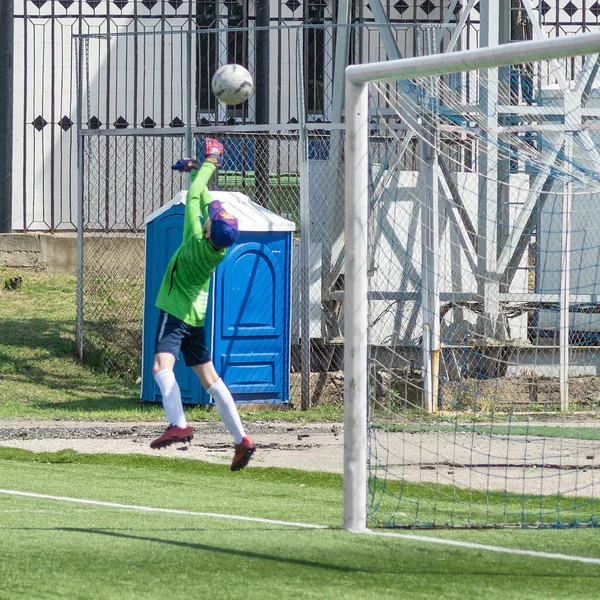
<point>131,87</point>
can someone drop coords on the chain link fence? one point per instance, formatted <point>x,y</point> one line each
<point>131,132</point>
<point>126,177</point>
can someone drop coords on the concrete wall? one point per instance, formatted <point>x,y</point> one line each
<point>119,256</point>
<point>42,251</point>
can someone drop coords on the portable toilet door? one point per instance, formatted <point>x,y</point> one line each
<point>251,318</point>
<point>248,316</point>
<point>252,304</point>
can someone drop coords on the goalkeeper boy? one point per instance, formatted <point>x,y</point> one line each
<point>182,300</point>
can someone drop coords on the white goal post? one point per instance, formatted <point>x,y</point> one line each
<point>356,225</point>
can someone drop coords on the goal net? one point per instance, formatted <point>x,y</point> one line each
<point>472,305</point>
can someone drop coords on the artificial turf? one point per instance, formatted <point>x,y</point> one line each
<point>58,549</point>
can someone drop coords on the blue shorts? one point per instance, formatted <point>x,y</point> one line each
<point>173,335</point>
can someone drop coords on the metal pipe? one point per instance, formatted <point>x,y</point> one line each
<point>80,46</point>
<point>188,85</point>
<point>262,87</point>
<point>472,60</point>
<point>304,175</point>
<point>356,307</point>
<point>565,283</point>
<point>6,102</point>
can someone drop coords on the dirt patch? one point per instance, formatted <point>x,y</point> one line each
<point>312,447</point>
<point>531,464</point>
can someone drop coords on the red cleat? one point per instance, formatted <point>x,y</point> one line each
<point>171,435</point>
<point>243,453</point>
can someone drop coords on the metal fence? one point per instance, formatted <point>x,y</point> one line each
<point>293,167</point>
<point>127,176</point>
<point>45,132</point>
<point>45,135</point>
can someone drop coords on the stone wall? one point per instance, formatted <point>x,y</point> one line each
<point>57,252</point>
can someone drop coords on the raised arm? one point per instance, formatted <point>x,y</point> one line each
<point>198,198</point>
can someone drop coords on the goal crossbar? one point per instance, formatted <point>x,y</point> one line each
<point>472,60</point>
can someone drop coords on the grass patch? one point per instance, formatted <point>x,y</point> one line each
<point>40,375</point>
<point>41,378</point>
<point>397,503</point>
<point>508,430</point>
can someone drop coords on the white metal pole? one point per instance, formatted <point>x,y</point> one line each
<point>436,347</point>
<point>305,234</point>
<point>426,350</point>
<point>487,203</point>
<point>355,307</point>
<point>430,272</point>
<point>425,180</point>
<point>431,277</point>
<point>80,46</point>
<point>573,122</point>
<point>565,282</point>
<point>188,93</point>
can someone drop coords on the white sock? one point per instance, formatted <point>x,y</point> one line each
<point>171,397</point>
<point>224,401</point>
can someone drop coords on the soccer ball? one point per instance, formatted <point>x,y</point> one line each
<point>232,84</point>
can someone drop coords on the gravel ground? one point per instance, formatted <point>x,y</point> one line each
<point>519,464</point>
<point>316,447</point>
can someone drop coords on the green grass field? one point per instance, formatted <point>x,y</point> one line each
<point>58,549</point>
<point>229,547</point>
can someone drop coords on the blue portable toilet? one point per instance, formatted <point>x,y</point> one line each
<point>248,316</point>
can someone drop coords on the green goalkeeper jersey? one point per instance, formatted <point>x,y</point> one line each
<point>184,289</point>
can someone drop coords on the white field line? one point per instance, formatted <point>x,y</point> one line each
<point>171,511</point>
<point>45,511</point>
<point>485,547</point>
<point>370,532</point>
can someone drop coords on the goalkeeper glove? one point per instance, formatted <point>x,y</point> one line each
<point>214,152</point>
<point>186,165</point>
